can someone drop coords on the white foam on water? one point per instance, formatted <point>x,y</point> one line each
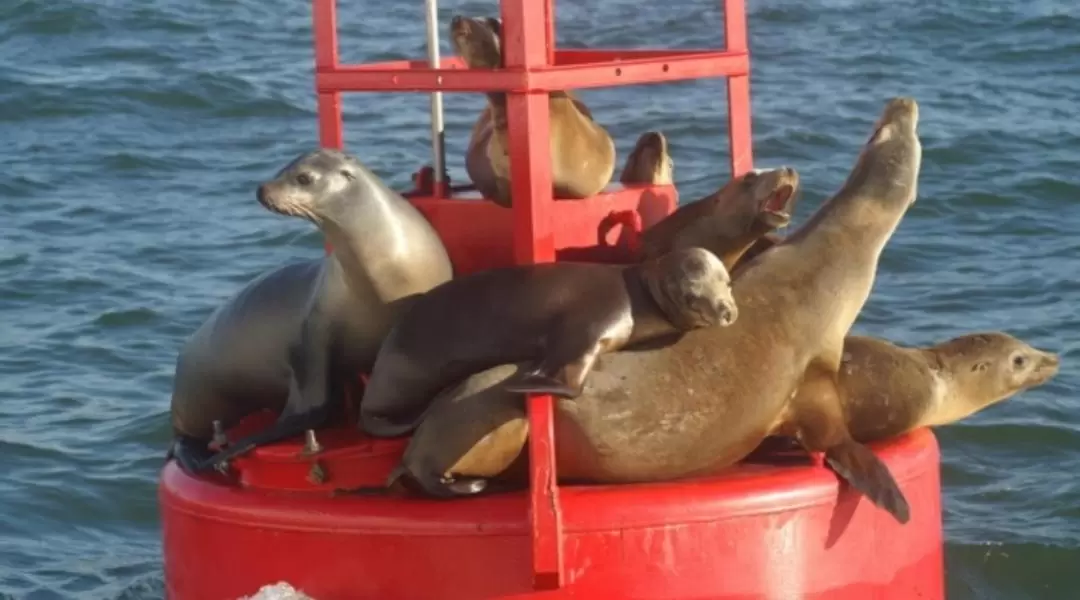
<point>278,591</point>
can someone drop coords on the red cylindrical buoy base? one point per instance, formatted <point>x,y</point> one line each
<point>784,532</point>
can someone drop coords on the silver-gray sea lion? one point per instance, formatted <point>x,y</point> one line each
<point>296,337</point>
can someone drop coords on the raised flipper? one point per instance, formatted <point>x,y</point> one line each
<point>821,427</point>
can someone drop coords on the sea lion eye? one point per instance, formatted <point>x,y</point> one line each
<point>1019,361</point>
<point>305,179</point>
<point>347,174</point>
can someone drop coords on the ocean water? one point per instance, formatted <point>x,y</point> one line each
<point>133,134</point>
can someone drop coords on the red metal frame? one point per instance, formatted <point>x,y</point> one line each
<point>534,67</point>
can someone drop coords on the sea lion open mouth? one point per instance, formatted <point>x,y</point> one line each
<point>776,209</point>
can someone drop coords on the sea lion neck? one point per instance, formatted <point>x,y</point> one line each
<point>349,222</point>
<point>651,305</point>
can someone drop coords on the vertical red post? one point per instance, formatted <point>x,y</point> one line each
<point>326,57</point>
<point>549,12</point>
<point>525,31</point>
<point>324,25</point>
<point>740,144</point>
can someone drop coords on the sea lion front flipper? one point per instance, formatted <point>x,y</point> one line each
<point>287,425</point>
<point>190,453</point>
<point>821,426</point>
<point>573,348</point>
<point>865,472</point>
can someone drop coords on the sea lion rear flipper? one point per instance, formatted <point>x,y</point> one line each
<point>822,426</point>
<point>434,485</point>
<point>865,472</point>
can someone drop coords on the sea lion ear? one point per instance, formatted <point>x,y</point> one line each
<point>495,24</point>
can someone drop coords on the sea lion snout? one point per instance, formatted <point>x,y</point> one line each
<point>727,311</point>
<point>900,117</point>
<point>1048,365</point>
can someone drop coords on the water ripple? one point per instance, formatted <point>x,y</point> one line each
<point>135,133</point>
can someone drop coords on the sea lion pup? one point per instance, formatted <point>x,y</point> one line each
<point>705,402</point>
<point>887,390</point>
<point>294,338</point>
<point>582,152</point>
<point>563,315</point>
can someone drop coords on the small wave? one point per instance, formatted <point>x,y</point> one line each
<point>138,317</point>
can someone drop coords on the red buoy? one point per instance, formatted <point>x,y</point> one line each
<point>757,531</point>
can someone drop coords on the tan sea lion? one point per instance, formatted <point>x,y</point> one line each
<point>888,390</point>
<point>721,221</point>
<point>564,315</point>
<point>582,152</point>
<point>706,401</point>
<point>727,222</point>
<point>296,337</point>
<point>650,162</point>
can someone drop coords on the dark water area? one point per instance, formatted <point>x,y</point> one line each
<point>133,135</point>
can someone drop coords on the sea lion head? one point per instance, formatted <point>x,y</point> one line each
<point>692,288</point>
<point>982,369</point>
<point>649,162</point>
<point>757,201</point>
<point>311,185</point>
<point>887,170</point>
<point>477,40</point>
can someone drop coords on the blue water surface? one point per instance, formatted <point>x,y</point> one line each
<point>133,134</point>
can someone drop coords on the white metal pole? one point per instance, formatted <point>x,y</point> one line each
<point>438,137</point>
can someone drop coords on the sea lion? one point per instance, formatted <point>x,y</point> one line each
<point>564,315</point>
<point>730,220</point>
<point>472,433</point>
<point>295,337</point>
<point>704,402</point>
<point>480,428</point>
<point>727,222</point>
<point>887,390</point>
<point>650,162</point>
<point>582,151</point>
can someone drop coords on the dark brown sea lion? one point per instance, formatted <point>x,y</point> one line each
<point>296,337</point>
<point>582,151</point>
<point>564,315</point>
<point>706,401</point>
